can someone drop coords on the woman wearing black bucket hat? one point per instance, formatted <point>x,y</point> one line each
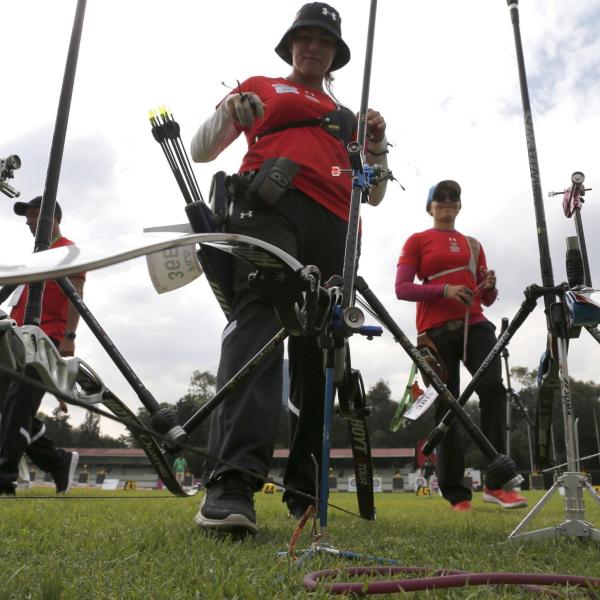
<point>291,121</point>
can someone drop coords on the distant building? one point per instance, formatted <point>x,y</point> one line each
<point>386,463</point>
<point>112,463</point>
<point>132,464</point>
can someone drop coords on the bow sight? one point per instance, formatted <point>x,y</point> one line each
<point>7,167</point>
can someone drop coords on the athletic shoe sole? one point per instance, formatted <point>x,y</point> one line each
<point>235,523</point>
<point>461,507</point>
<point>494,500</point>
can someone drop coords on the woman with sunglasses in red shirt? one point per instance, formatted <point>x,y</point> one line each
<point>455,284</point>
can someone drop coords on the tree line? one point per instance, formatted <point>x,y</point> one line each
<point>86,435</point>
<point>585,399</point>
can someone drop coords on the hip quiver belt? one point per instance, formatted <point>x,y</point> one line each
<point>429,352</point>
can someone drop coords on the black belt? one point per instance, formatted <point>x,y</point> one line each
<point>268,183</point>
<point>237,184</point>
<point>447,326</point>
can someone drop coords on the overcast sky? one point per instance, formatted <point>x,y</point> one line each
<point>445,78</point>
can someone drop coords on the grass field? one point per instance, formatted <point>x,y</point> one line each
<point>127,546</point>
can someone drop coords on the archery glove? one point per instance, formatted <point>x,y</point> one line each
<point>245,108</point>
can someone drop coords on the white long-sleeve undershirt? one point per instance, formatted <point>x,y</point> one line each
<point>214,135</point>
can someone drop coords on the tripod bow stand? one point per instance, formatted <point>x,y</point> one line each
<point>558,321</point>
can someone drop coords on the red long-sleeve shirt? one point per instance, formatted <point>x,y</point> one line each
<point>427,253</point>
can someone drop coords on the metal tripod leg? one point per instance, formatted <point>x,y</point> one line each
<point>574,525</point>
<point>572,482</point>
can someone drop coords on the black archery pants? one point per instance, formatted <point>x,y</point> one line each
<point>243,428</point>
<point>492,402</point>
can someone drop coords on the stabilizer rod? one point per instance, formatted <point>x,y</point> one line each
<point>351,251</point>
<point>534,168</point>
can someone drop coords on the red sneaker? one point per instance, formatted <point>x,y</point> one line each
<point>505,499</point>
<point>464,506</point>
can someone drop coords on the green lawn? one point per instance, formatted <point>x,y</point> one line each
<point>128,547</point>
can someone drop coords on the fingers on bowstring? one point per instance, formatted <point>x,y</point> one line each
<point>248,107</point>
<point>243,112</point>
<point>258,108</point>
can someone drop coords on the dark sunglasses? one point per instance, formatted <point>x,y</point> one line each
<point>446,195</point>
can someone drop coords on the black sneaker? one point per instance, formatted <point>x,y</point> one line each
<point>64,477</point>
<point>228,506</point>
<point>8,489</point>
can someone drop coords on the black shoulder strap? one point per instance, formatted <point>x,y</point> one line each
<point>350,123</point>
<point>340,123</point>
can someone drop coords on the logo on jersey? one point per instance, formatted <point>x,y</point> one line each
<point>246,214</point>
<point>453,247</point>
<point>282,88</point>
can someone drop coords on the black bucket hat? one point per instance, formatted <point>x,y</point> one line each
<point>317,14</point>
<point>20,208</point>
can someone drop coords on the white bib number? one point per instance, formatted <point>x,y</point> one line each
<point>421,404</point>
<point>173,268</point>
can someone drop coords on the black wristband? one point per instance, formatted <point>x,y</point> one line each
<point>70,335</point>
<point>386,151</point>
